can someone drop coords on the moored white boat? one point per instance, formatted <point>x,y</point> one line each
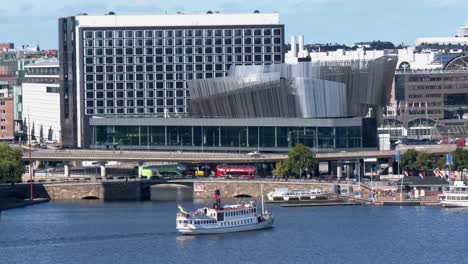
<point>283,194</point>
<point>455,196</point>
<point>223,219</point>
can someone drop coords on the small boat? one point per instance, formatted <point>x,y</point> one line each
<point>223,219</point>
<point>455,196</point>
<point>283,194</point>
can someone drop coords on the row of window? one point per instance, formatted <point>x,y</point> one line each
<point>241,212</point>
<point>136,93</point>
<point>436,79</point>
<point>248,58</point>
<point>179,50</point>
<point>43,71</point>
<point>423,112</point>
<point>133,102</point>
<point>168,68</point>
<point>136,85</point>
<point>423,104</point>
<point>181,42</point>
<point>197,222</point>
<point>236,223</point>
<point>169,33</point>
<point>42,80</point>
<point>438,87</point>
<point>111,69</point>
<point>424,95</point>
<point>130,77</point>
<point>138,110</point>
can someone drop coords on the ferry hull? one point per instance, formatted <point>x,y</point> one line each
<point>222,230</point>
<point>454,203</point>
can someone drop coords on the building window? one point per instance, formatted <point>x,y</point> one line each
<point>53,90</point>
<point>2,127</point>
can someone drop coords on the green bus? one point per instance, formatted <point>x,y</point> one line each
<point>170,171</point>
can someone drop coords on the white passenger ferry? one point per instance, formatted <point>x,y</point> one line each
<point>223,219</point>
<point>283,194</point>
<point>455,196</point>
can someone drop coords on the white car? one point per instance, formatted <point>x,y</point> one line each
<point>254,154</point>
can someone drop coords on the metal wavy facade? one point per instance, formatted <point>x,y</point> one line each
<point>303,90</point>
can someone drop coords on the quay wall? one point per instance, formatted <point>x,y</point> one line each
<point>236,189</point>
<point>106,191</point>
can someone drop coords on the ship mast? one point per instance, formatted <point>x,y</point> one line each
<point>261,193</point>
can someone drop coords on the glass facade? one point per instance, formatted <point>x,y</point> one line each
<point>135,71</point>
<point>230,138</point>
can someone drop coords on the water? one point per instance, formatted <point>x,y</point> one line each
<point>94,232</point>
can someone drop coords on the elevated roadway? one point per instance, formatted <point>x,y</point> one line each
<point>199,157</point>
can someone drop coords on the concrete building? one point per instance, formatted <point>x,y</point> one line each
<point>7,132</point>
<point>138,65</point>
<point>431,103</point>
<point>41,99</point>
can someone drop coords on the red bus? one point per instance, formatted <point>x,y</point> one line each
<point>235,171</point>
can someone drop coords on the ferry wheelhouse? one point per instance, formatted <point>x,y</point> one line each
<point>223,219</point>
<point>455,196</point>
<point>283,194</point>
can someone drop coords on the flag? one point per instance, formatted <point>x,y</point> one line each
<point>397,156</point>
<point>452,175</point>
<point>421,174</point>
<point>182,210</point>
<point>406,173</point>
<point>442,174</point>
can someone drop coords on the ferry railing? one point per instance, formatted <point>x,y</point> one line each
<point>456,192</point>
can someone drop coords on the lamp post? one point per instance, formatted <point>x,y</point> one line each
<point>397,159</point>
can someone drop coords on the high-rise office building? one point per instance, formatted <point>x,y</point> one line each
<point>138,65</point>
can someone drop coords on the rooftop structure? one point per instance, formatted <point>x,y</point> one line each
<point>461,38</point>
<point>304,90</point>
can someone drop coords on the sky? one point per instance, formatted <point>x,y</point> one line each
<point>32,22</point>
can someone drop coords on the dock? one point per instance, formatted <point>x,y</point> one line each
<point>320,203</point>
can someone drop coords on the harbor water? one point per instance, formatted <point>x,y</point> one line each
<point>144,232</point>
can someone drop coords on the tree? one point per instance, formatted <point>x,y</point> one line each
<point>408,159</point>
<point>11,163</point>
<point>301,158</point>
<point>281,169</point>
<point>423,161</point>
<point>460,159</point>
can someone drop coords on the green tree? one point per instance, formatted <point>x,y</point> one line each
<point>281,169</point>
<point>408,159</point>
<point>460,159</point>
<point>11,163</point>
<point>423,161</point>
<point>301,158</point>
<point>414,160</point>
